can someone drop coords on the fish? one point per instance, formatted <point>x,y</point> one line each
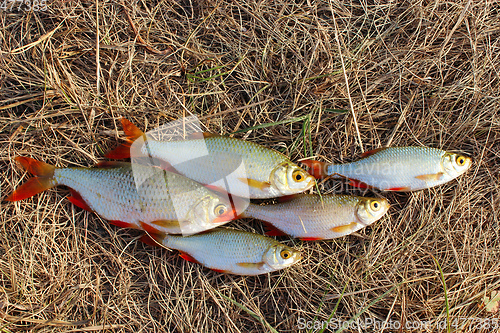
<point>313,217</point>
<point>397,168</point>
<point>128,195</point>
<point>241,168</point>
<point>230,251</point>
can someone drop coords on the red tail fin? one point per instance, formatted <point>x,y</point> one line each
<point>317,169</point>
<point>43,181</point>
<point>132,132</point>
<point>152,239</point>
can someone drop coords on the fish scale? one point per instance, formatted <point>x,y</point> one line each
<point>133,195</point>
<point>115,195</point>
<point>310,216</point>
<point>208,161</point>
<point>233,251</point>
<point>398,168</point>
<point>242,168</point>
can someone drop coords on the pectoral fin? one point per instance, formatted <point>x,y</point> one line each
<point>431,177</point>
<point>151,229</point>
<point>255,183</point>
<point>251,265</point>
<point>167,223</point>
<point>344,228</point>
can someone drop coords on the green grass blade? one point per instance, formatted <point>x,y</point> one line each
<point>250,312</point>
<point>364,309</point>
<point>286,121</point>
<point>448,326</point>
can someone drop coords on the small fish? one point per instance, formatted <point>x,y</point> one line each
<point>311,217</point>
<point>128,195</point>
<point>397,168</point>
<point>242,168</point>
<point>230,251</point>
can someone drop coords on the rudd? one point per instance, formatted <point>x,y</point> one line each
<point>128,195</point>
<point>230,251</point>
<point>397,168</point>
<point>311,217</point>
<point>242,168</point>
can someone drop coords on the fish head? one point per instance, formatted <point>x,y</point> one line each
<point>279,256</point>
<point>209,212</point>
<point>289,178</point>
<point>455,164</point>
<point>370,210</point>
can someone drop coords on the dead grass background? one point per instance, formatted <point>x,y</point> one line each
<point>416,73</point>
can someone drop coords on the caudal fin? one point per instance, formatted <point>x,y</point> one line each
<point>317,169</point>
<point>132,132</point>
<point>44,179</point>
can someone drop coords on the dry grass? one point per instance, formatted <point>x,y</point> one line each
<point>416,73</point>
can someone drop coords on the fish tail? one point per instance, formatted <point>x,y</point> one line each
<point>43,180</point>
<point>132,133</point>
<point>155,239</point>
<point>317,169</point>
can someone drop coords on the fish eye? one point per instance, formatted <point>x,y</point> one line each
<point>298,176</point>
<point>375,205</point>
<point>285,254</point>
<point>460,160</point>
<point>220,209</point>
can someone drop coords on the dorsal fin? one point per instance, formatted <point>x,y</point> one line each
<point>371,152</point>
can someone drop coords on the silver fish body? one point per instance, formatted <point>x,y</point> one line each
<point>239,167</point>
<point>233,251</point>
<point>311,217</point>
<point>403,168</point>
<point>132,195</point>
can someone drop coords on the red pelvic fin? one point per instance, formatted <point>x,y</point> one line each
<point>358,184</point>
<point>122,151</point>
<point>310,238</point>
<point>317,169</point>
<point>151,230</point>
<point>219,270</point>
<point>271,230</point>
<point>371,152</point>
<point>43,181</point>
<point>122,224</point>
<point>77,200</point>
<point>399,189</point>
<point>188,257</point>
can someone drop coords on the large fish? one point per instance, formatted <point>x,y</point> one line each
<point>127,195</point>
<point>397,168</point>
<point>230,251</point>
<point>239,167</point>
<point>311,217</point>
